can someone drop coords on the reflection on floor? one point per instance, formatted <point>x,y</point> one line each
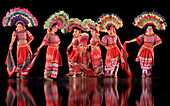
<point>85,92</point>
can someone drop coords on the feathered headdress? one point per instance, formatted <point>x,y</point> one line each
<point>106,20</point>
<point>91,24</point>
<point>19,15</point>
<point>84,37</point>
<point>150,18</point>
<point>75,23</point>
<point>61,18</point>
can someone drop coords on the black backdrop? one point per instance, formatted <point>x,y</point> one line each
<point>127,32</point>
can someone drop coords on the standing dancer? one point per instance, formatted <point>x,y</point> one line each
<point>77,27</point>
<point>149,21</point>
<point>53,58</point>
<point>20,18</point>
<point>95,53</point>
<point>108,24</point>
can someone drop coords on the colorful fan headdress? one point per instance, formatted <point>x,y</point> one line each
<point>84,37</point>
<point>92,25</point>
<point>106,20</point>
<point>150,18</point>
<point>75,23</point>
<point>89,23</point>
<point>16,15</point>
<point>61,18</point>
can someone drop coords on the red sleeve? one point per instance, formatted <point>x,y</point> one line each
<point>118,41</point>
<point>140,39</point>
<point>29,35</point>
<point>14,33</point>
<point>97,40</point>
<point>104,40</point>
<point>58,39</point>
<point>157,39</point>
<point>46,39</point>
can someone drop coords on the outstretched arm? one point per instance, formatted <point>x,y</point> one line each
<point>103,45</point>
<point>130,41</point>
<point>42,44</point>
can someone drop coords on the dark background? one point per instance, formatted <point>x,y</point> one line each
<point>82,11</point>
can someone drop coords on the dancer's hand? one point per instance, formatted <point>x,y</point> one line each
<point>38,49</point>
<point>106,47</point>
<point>10,47</point>
<point>127,42</point>
<point>68,47</point>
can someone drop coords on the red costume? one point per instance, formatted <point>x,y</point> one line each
<point>75,42</point>
<point>96,55</point>
<point>23,50</point>
<point>113,54</point>
<point>148,21</point>
<point>146,53</point>
<point>53,57</point>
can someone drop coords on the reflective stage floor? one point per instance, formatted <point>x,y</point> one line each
<point>85,92</point>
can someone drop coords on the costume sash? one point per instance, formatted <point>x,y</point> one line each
<point>10,63</point>
<point>125,64</point>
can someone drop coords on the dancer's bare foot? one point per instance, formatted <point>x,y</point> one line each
<point>101,73</point>
<point>22,77</point>
<point>17,75</point>
<point>143,76</point>
<point>115,75</point>
<point>95,71</point>
<point>147,75</point>
<point>74,76</point>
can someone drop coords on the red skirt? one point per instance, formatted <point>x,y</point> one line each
<point>53,60</point>
<point>146,57</point>
<point>112,60</point>
<point>70,57</point>
<point>72,54</point>
<point>96,57</point>
<point>78,68</point>
<point>23,53</point>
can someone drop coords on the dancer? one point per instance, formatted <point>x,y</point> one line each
<point>95,53</point>
<point>80,62</point>
<point>75,26</point>
<point>20,18</point>
<point>53,58</point>
<point>110,22</point>
<point>148,21</point>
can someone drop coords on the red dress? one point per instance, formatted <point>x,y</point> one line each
<point>146,53</point>
<point>23,50</point>
<point>96,55</point>
<point>80,63</point>
<point>53,57</point>
<point>75,42</point>
<point>113,54</point>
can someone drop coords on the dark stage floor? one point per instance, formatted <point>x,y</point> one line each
<point>85,92</point>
